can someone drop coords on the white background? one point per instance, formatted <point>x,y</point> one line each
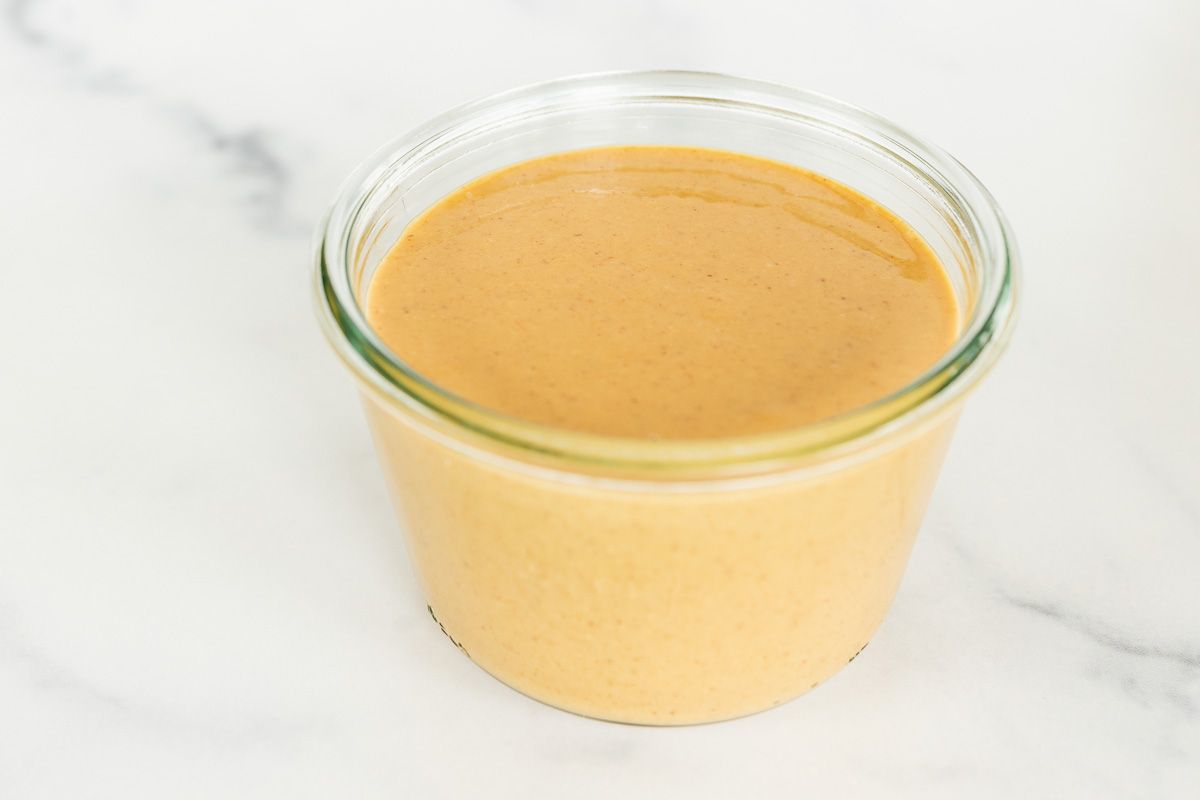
<point>203,593</point>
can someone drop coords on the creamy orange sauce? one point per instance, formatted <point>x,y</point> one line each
<point>663,292</point>
<point>674,293</point>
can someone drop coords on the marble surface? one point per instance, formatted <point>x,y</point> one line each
<point>203,592</point>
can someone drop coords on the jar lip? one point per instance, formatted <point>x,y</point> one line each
<point>970,356</point>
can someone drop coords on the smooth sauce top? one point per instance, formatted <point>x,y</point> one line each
<point>663,292</point>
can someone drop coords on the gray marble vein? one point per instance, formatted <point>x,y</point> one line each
<point>17,19</point>
<point>250,154</point>
<point>1079,622</point>
<point>1096,631</point>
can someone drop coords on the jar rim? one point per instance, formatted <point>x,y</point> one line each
<point>973,352</point>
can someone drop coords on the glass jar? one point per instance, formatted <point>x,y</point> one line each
<point>663,582</point>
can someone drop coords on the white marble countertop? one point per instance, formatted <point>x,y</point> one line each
<point>203,593</point>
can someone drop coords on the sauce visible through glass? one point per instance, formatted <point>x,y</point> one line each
<point>663,293</point>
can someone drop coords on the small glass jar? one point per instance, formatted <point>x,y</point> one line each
<point>663,582</point>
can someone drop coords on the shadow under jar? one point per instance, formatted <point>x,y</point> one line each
<point>663,582</point>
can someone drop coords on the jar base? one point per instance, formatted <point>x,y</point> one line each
<point>673,720</point>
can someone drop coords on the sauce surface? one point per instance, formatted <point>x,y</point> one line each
<point>663,292</point>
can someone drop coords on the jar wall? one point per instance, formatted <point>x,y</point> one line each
<point>648,603</point>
